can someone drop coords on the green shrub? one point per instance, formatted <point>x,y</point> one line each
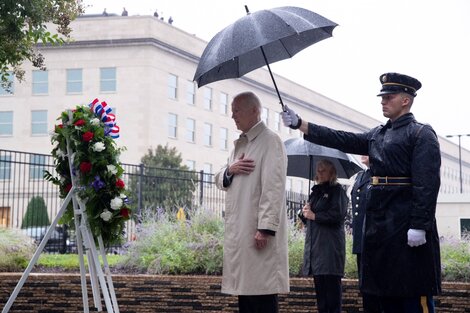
<point>166,246</point>
<point>350,268</point>
<point>195,246</point>
<point>296,243</point>
<point>36,213</point>
<point>455,259</point>
<point>16,250</point>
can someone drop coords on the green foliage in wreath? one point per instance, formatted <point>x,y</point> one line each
<point>96,170</point>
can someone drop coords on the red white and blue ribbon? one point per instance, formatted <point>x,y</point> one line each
<point>103,112</point>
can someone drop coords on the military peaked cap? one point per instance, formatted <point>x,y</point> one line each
<point>396,83</point>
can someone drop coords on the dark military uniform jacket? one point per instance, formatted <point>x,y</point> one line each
<point>404,148</point>
<point>358,202</point>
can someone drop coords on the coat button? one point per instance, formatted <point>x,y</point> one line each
<point>356,214</point>
<point>357,198</point>
<point>357,205</point>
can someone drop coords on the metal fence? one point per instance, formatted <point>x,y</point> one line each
<point>23,188</point>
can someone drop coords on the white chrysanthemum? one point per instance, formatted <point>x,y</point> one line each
<point>116,203</point>
<point>112,169</point>
<point>95,122</point>
<point>98,146</point>
<point>106,215</point>
<point>60,154</point>
<point>122,196</point>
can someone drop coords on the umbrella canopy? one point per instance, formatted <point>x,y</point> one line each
<point>258,39</point>
<point>303,155</point>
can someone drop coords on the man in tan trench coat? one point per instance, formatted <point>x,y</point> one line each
<point>255,266</point>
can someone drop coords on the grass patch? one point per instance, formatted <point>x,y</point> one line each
<point>70,262</point>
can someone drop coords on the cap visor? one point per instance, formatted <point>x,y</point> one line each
<point>387,92</point>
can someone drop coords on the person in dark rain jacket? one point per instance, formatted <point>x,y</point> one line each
<point>325,251</point>
<point>400,261</point>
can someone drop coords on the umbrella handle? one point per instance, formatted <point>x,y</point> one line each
<point>272,77</point>
<point>246,9</point>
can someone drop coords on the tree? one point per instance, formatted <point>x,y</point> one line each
<point>163,182</point>
<point>23,27</point>
<point>36,213</point>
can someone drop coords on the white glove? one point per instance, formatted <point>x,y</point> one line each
<point>289,118</point>
<point>416,237</point>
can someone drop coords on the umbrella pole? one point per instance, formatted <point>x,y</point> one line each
<point>309,173</point>
<point>272,77</point>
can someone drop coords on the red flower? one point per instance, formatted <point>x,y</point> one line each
<point>68,187</point>
<point>79,123</point>
<point>85,167</point>
<point>87,136</point>
<point>60,126</point>
<point>125,213</point>
<point>120,184</point>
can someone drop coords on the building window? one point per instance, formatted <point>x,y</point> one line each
<point>190,130</point>
<point>39,122</point>
<point>191,164</point>
<point>74,80</point>
<point>190,93</point>
<point>172,86</point>
<point>8,87</point>
<point>208,174</point>
<point>223,105</point>
<point>207,134</point>
<point>36,169</point>
<point>277,121</point>
<point>6,123</point>
<point>464,226</point>
<point>223,138</point>
<point>40,82</point>
<point>172,125</point>
<point>5,167</point>
<point>108,79</point>
<point>208,98</point>
<point>265,115</point>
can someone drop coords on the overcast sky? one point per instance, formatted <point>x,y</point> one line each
<point>427,39</point>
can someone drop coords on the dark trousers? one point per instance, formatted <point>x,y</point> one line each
<point>329,292</point>
<point>258,304</point>
<point>376,304</point>
<point>424,304</point>
<point>370,303</point>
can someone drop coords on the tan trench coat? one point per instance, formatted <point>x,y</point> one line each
<point>256,201</point>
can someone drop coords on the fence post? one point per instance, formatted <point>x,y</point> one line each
<point>139,193</point>
<point>201,187</point>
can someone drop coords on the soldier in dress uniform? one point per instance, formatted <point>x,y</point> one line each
<point>400,260</point>
<point>358,200</point>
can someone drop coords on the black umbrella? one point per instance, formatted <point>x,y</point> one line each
<point>258,39</point>
<point>303,156</point>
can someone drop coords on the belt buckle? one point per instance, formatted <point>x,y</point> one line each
<point>375,180</point>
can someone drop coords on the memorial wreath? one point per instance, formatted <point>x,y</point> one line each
<point>90,132</point>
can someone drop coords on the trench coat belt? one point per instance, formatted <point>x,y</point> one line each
<point>390,181</point>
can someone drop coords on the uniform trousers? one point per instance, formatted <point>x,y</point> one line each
<point>424,304</point>
<point>258,304</point>
<point>370,303</point>
<point>329,292</point>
